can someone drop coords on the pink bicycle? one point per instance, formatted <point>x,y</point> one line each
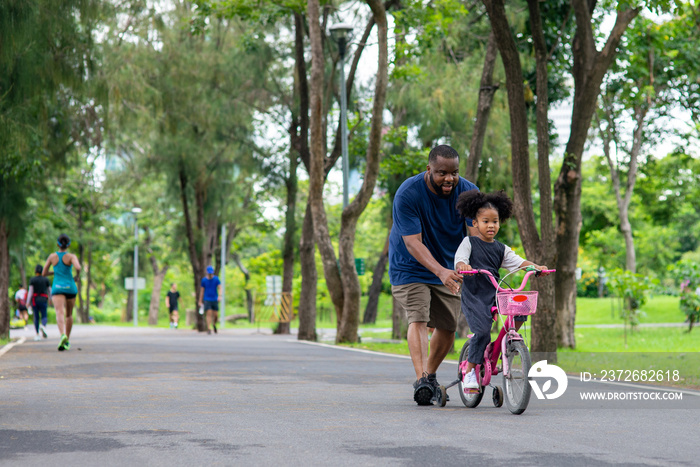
<point>511,345</point>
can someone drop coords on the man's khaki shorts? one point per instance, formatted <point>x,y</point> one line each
<point>429,303</point>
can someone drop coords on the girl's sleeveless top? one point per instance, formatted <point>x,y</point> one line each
<point>478,293</point>
<point>63,282</point>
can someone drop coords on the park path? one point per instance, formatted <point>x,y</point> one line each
<point>125,396</point>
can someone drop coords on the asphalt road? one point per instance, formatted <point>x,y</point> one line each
<point>124,396</point>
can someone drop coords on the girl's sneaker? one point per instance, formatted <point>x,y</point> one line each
<point>470,381</point>
<point>37,338</point>
<point>43,332</point>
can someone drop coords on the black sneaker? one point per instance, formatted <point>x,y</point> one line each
<point>423,392</point>
<point>432,379</point>
<point>215,331</point>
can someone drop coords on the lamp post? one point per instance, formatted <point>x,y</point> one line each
<point>136,212</point>
<point>340,33</point>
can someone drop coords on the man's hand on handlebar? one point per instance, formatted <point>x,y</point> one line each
<point>451,279</point>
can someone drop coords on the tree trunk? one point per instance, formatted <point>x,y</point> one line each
<point>316,163</point>
<point>307,260</point>
<point>539,251</point>
<point>191,244</point>
<point>543,339</point>
<point>487,89</point>
<point>350,319</point>
<point>5,308</point>
<point>154,307</point>
<point>309,280</point>
<point>129,313</point>
<point>376,288</point>
<point>250,301</point>
<point>82,316</point>
<point>207,230</point>
<point>22,270</point>
<point>319,166</point>
<point>88,266</point>
<point>623,202</point>
<point>290,226</point>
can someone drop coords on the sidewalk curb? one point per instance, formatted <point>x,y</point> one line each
<point>7,347</point>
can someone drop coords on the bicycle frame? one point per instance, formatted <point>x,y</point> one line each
<point>510,333</point>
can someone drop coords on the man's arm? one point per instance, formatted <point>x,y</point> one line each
<point>167,300</point>
<point>416,248</point>
<point>201,295</point>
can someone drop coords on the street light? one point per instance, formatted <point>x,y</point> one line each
<point>136,212</point>
<point>341,34</point>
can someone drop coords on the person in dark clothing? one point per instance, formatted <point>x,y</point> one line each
<point>483,251</point>
<point>171,301</point>
<point>38,299</point>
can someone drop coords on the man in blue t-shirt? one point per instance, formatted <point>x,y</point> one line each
<point>209,298</point>
<point>426,233</point>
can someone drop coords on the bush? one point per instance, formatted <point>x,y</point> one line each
<point>588,285</point>
<point>687,273</point>
<point>632,290</point>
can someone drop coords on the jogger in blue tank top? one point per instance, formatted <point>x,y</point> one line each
<point>64,290</point>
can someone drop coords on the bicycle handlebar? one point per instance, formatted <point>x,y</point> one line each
<point>530,271</point>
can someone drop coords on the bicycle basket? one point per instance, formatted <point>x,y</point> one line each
<point>517,303</point>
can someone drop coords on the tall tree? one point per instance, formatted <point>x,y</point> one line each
<point>655,64</point>
<point>200,136</point>
<point>46,50</point>
<point>345,293</point>
<point>588,69</point>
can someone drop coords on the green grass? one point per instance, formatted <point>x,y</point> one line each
<point>658,309</point>
<point>647,348</point>
<point>678,369</point>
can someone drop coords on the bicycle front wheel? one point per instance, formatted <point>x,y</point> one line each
<point>517,387</point>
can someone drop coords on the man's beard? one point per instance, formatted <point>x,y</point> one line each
<point>438,188</point>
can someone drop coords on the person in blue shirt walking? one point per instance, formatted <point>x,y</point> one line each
<point>209,298</point>
<point>63,290</point>
<point>426,233</point>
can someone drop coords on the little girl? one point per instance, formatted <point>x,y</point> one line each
<point>483,251</point>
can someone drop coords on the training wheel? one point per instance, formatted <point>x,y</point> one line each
<point>497,396</point>
<point>443,395</point>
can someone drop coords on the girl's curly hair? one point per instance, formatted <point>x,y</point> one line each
<point>471,202</point>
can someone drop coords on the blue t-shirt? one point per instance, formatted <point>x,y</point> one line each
<point>210,293</point>
<point>417,210</point>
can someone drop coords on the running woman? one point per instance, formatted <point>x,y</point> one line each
<point>64,289</point>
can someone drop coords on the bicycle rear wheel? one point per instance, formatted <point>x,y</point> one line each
<point>516,384</point>
<point>470,400</point>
